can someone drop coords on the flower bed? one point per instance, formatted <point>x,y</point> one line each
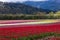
<point>22,31</point>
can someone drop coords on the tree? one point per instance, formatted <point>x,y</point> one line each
<point>51,15</point>
<point>57,15</point>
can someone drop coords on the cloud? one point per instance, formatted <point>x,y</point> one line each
<point>20,0</point>
<point>38,0</point>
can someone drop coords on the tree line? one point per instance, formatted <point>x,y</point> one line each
<point>38,15</point>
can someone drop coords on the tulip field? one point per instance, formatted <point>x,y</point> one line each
<point>17,29</point>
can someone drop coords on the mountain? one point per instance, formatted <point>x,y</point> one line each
<point>49,5</point>
<point>17,8</point>
<point>1,4</point>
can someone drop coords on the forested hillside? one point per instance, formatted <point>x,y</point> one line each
<point>17,8</point>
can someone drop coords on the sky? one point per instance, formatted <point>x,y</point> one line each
<point>20,0</point>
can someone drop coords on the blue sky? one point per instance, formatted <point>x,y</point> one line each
<point>20,0</point>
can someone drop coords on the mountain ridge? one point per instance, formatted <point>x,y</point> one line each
<point>50,5</point>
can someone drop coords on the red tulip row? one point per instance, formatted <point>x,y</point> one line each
<point>8,32</point>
